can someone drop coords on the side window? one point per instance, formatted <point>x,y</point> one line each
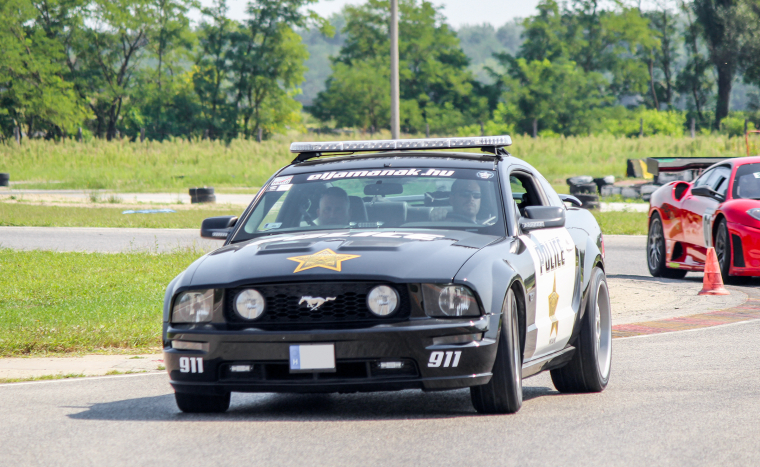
<point>719,179</point>
<point>702,180</point>
<point>525,191</point>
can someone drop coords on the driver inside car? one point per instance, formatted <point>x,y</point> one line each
<point>465,203</point>
<point>334,208</point>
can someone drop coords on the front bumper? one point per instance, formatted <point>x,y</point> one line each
<point>357,355</point>
<point>745,242</point>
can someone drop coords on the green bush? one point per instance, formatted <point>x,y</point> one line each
<point>734,126</point>
<point>622,122</point>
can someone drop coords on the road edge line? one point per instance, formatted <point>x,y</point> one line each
<point>746,321</point>
<point>83,378</point>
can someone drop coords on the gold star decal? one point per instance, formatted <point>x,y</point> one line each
<point>553,299</point>
<point>327,259</point>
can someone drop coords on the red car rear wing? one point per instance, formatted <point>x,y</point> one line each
<point>656,165</point>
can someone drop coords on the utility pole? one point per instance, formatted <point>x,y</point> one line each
<point>395,118</point>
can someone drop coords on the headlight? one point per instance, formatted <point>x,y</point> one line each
<point>449,300</point>
<point>249,304</point>
<point>382,300</point>
<point>754,213</point>
<point>193,306</point>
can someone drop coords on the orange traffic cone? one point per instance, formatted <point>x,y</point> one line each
<point>713,282</point>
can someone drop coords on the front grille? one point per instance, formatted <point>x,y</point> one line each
<point>349,306</point>
<point>345,370</point>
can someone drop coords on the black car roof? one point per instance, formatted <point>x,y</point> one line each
<point>460,160</point>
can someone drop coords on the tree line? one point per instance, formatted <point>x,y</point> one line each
<point>126,67</point>
<point>141,69</point>
<point>582,67</point>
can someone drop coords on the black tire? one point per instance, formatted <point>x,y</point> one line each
<point>589,370</point>
<point>5,179</point>
<point>723,249</point>
<point>203,199</point>
<point>202,195</point>
<point>503,394</point>
<point>584,188</point>
<point>204,191</point>
<point>588,201</point>
<point>201,403</point>
<point>656,252</point>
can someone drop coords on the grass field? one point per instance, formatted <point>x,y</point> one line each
<point>33,215</point>
<point>177,165</point>
<point>83,302</point>
<point>622,223</point>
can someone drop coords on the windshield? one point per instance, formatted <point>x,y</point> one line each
<point>418,198</point>
<point>747,182</point>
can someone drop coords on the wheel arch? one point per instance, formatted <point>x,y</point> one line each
<point>719,216</point>
<point>590,259</point>
<point>518,287</point>
<point>652,211</point>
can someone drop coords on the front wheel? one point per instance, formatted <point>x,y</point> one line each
<point>723,249</point>
<point>503,394</point>
<point>589,370</point>
<point>202,403</point>
<point>656,251</point>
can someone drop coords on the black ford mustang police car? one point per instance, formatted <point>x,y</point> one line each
<point>390,266</point>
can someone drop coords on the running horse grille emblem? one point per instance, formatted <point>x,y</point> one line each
<point>315,302</point>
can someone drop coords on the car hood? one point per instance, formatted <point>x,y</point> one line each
<point>403,256</point>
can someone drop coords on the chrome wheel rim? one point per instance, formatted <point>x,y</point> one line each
<point>655,252</point>
<point>603,330</point>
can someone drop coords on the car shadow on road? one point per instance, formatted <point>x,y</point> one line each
<point>693,278</point>
<point>401,405</point>
<point>662,280</point>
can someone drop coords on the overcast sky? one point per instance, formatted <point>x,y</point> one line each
<point>458,12</point>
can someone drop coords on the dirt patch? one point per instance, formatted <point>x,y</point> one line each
<point>646,300</point>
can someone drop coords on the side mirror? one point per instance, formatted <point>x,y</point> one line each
<point>218,228</point>
<point>572,200</point>
<point>542,217</point>
<point>708,192</point>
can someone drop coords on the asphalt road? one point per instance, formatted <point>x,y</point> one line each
<point>105,240</point>
<point>686,398</point>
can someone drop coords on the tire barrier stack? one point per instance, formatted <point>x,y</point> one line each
<point>586,189</point>
<point>5,179</point>
<point>202,195</point>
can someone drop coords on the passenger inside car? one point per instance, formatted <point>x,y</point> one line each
<point>334,208</point>
<point>465,203</point>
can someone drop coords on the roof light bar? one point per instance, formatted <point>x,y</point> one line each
<point>402,144</point>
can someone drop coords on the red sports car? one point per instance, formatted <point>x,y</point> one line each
<point>721,208</point>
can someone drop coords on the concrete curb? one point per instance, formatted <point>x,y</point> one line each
<point>749,310</point>
<point>26,368</point>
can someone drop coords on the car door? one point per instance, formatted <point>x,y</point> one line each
<point>698,211</point>
<point>553,254</point>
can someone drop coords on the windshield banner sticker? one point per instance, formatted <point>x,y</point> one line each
<point>381,173</point>
<point>283,187</point>
<point>282,180</point>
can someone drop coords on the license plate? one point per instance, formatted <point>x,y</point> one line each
<point>312,358</point>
